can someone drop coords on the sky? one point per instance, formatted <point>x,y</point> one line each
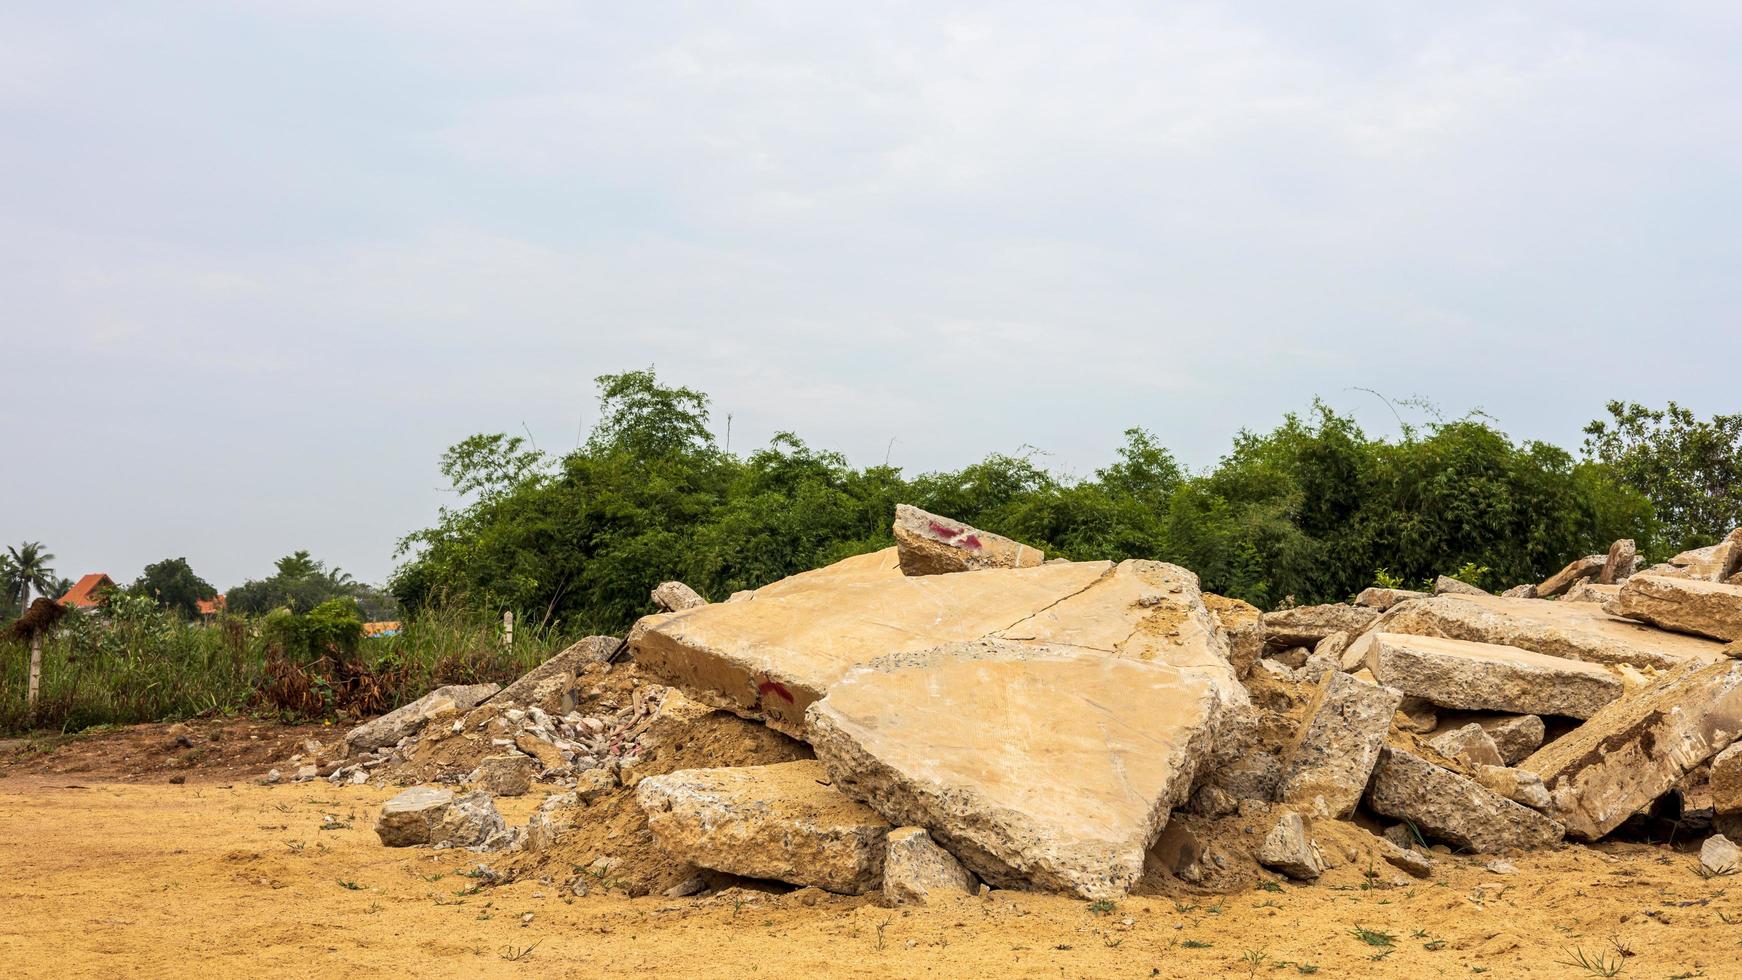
<point>261,262</point>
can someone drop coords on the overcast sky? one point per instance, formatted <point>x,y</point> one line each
<point>261,262</point>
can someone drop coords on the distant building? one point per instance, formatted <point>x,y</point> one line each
<point>386,627</point>
<point>210,608</point>
<point>87,593</point>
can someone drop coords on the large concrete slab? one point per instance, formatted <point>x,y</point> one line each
<point>1046,766</point>
<point>774,654</point>
<point>1447,806</point>
<point>1636,748</point>
<point>780,822</point>
<point>1307,625</point>
<point>1574,630</point>
<point>1487,676</point>
<point>1686,605</point>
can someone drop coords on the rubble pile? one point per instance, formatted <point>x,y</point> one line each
<point>956,713</point>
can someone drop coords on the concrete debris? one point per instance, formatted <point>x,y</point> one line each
<point>550,685</point>
<point>948,740</point>
<point>1526,591</point>
<point>1517,785</point>
<point>928,544</point>
<point>1726,786</point>
<point>429,815</point>
<point>1381,599</point>
<point>1515,736</point>
<point>1577,570</point>
<point>1470,745</point>
<point>1288,849</point>
<point>1639,747</point>
<point>407,720</point>
<point>1686,605</point>
<point>676,597</point>
<point>1326,768</point>
<point>504,775</point>
<point>1715,563</point>
<point>918,872</point>
<point>1416,715</point>
<point>1620,564</point>
<point>1447,806</point>
<point>1591,592</point>
<point>1307,625</point>
<point>1446,585</point>
<point>1718,856</point>
<point>1487,676</point>
<point>781,821</point>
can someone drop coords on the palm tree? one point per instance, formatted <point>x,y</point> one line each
<point>27,568</point>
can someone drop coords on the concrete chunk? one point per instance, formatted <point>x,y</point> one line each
<point>561,667</point>
<point>409,719</point>
<point>1518,785</point>
<point>932,545</point>
<point>1575,631</point>
<point>1487,676</point>
<point>918,872</point>
<point>407,819</point>
<point>676,597</point>
<point>1446,585</point>
<point>1307,625</point>
<point>781,821</point>
<point>1382,599</point>
<point>1044,766</point>
<point>1516,736</point>
<point>1638,747</point>
<point>1577,570</point>
<point>1288,849</point>
<point>1686,605</point>
<point>1469,744</point>
<point>1620,563</point>
<point>1447,806</point>
<point>1325,769</point>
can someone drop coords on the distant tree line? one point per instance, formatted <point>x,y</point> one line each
<point>1313,510</point>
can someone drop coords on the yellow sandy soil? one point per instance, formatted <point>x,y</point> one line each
<point>111,879</point>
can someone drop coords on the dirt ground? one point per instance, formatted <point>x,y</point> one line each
<point>223,876</point>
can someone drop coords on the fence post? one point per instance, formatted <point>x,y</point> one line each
<point>508,629</point>
<point>35,671</point>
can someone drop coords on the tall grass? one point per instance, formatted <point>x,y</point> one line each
<point>137,667</point>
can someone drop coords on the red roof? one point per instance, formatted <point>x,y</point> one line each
<point>85,592</point>
<point>210,607</point>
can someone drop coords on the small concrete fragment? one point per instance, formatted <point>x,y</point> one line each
<point>1307,625</point>
<point>1053,767</point>
<point>407,819</point>
<point>1577,570</point>
<point>553,818</point>
<point>1515,736</point>
<point>1517,785</point>
<point>1592,592</point>
<point>1718,856</point>
<point>918,872</point>
<point>1488,677</point>
<point>1526,591</point>
<point>676,597</point>
<point>1381,599</point>
<point>1446,585</point>
<point>932,545</point>
<point>1685,605</point>
<point>1417,715</point>
<point>1447,806</point>
<point>471,821</point>
<point>1620,563</point>
<point>1288,849</point>
<point>1726,784</point>
<point>781,821</point>
<point>405,720</point>
<point>504,775</point>
<point>1469,745</point>
<point>1637,748</point>
<point>1326,768</point>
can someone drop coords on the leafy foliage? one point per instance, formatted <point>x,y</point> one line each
<point>173,585</point>
<point>1691,469</point>
<point>22,569</point>
<point>299,584</point>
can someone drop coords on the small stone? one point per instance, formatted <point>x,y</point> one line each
<point>1446,585</point>
<point>273,776</point>
<point>1500,867</point>
<point>1516,736</point>
<point>1288,849</point>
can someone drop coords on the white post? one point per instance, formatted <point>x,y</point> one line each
<point>35,670</point>
<point>508,629</point>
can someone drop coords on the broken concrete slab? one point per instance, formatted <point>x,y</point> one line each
<point>1468,744</point>
<point>676,597</point>
<point>407,819</point>
<point>1577,570</point>
<point>1447,806</point>
<point>1711,609</point>
<point>1487,676</point>
<point>774,655</point>
<point>916,871</point>
<point>779,821</point>
<point>1326,768</point>
<point>1591,592</point>
<point>1637,748</point>
<point>1307,625</point>
<point>1715,563</point>
<point>406,720</point>
<point>1446,585</point>
<point>1035,765</point>
<point>1576,631</point>
<point>1289,849</point>
<point>1381,599</point>
<point>1620,563</point>
<point>929,544</point>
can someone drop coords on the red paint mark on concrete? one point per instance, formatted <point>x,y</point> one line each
<point>971,542</point>
<point>763,688</point>
<point>943,533</point>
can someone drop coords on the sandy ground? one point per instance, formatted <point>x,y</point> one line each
<point>100,877</point>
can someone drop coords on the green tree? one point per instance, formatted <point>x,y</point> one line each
<point>299,583</point>
<point>26,568</point>
<point>1689,468</point>
<point>173,585</point>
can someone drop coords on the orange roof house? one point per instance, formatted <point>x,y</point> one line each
<point>208,608</point>
<point>86,593</point>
